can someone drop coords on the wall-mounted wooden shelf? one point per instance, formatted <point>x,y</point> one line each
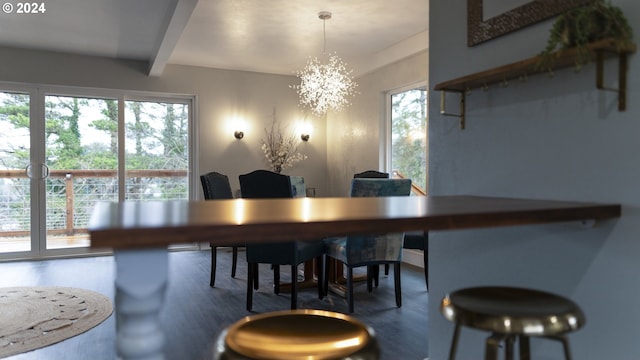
<point>523,69</point>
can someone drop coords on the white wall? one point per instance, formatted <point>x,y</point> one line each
<point>354,135</point>
<point>221,95</point>
<point>551,138</point>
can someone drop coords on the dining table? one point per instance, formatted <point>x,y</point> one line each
<point>140,233</point>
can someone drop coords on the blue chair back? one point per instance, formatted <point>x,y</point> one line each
<point>363,249</point>
<point>371,174</point>
<point>363,187</point>
<point>265,184</point>
<point>216,186</point>
<point>298,188</point>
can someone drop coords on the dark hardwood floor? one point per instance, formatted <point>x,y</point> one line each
<point>194,314</point>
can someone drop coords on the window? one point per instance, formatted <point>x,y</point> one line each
<point>15,189</point>
<point>407,136</point>
<point>156,150</point>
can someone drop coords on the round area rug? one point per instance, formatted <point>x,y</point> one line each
<point>35,317</point>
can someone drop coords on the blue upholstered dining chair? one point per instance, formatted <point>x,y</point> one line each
<point>417,240</point>
<point>367,250</point>
<point>268,184</point>
<point>371,174</point>
<point>373,273</point>
<point>215,186</point>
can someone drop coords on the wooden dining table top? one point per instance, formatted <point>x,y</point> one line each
<point>126,225</point>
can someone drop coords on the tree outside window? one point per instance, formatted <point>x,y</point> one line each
<point>408,155</point>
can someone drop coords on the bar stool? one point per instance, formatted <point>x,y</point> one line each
<point>297,335</point>
<point>510,313</point>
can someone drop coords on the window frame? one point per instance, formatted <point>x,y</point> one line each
<point>385,139</point>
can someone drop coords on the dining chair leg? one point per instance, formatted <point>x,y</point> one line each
<point>294,287</point>
<point>250,280</point>
<point>376,275</point>
<point>327,274</point>
<point>370,275</point>
<point>214,255</point>
<point>234,261</point>
<point>396,277</point>
<point>350,288</point>
<point>320,271</point>
<point>386,269</point>
<point>426,267</point>
<point>276,279</point>
<point>256,275</point>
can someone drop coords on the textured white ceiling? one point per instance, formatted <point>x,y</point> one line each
<point>274,36</point>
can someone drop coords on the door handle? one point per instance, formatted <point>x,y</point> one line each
<point>29,171</point>
<point>44,170</point>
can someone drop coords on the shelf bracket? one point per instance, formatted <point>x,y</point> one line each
<point>588,223</point>
<point>443,106</point>
<point>622,78</point>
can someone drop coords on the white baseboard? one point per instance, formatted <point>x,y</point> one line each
<point>413,257</point>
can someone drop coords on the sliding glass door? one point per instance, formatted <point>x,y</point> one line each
<point>62,152</point>
<point>81,155</point>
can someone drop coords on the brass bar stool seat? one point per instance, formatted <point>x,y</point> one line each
<point>510,313</point>
<point>297,335</point>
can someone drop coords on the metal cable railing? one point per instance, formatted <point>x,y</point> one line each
<point>71,195</point>
<point>415,189</point>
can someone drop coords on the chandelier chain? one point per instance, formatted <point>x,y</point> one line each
<point>324,36</point>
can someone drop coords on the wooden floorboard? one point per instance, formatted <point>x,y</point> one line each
<point>194,313</point>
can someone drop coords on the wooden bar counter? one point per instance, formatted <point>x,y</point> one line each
<point>140,232</point>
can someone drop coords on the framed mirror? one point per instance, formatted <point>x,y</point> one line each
<point>480,30</point>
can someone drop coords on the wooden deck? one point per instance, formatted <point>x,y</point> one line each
<point>18,244</point>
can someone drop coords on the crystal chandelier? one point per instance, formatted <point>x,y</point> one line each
<point>325,84</point>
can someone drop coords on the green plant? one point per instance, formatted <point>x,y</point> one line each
<point>580,26</point>
<point>280,148</point>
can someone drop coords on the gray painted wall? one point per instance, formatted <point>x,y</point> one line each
<point>354,135</point>
<point>547,138</point>
<point>221,95</point>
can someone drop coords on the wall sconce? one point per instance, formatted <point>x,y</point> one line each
<point>239,126</point>
<point>305,131</point>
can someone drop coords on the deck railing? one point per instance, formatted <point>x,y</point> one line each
<point>71,194</point>
<point>415,189</point>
